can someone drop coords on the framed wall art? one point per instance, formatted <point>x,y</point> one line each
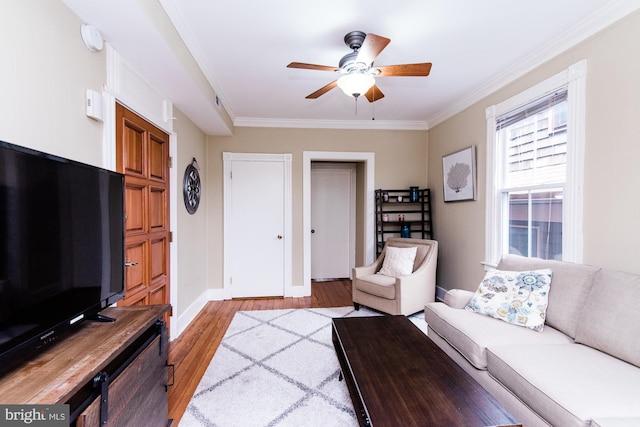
<point>459,170</point>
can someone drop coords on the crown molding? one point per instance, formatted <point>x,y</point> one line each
<point>608,15</point>
<point>331,124</point>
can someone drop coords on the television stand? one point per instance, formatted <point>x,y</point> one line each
<point>130,354</point>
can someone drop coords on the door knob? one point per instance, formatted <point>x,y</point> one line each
<point>313,230</point>
<point>279,237</point>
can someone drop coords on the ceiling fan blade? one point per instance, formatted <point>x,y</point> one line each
<point>374,94</point>
<point>322,90</point>
<point>371,48</point>
<point>422,69</point>
<point>304,66</point>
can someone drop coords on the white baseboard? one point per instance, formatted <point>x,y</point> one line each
<point>182,322</point>
<point>299,291</point>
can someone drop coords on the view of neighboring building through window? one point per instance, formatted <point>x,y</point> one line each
<point>535,170</point>
<point>532,143</point>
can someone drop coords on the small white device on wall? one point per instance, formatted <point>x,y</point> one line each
<point>94,105</point>
<point>91,37</point>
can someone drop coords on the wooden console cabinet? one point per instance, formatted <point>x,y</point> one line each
<point>111,374</point>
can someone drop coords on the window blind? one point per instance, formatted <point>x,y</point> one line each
<point>531,109</point>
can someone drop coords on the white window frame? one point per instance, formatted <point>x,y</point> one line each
<point>574,78</point>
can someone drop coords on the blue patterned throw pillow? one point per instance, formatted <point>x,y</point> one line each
<point>517,297</point>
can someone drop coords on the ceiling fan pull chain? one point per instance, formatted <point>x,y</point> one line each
<point>373,105</point>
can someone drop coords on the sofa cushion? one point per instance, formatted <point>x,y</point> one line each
<point>571,285</point>
<point>517,297</point>
<point>610,320</point>
<point>378,285</point>
<point>569,384</point>
<point>472,333</point>
<point>398,261</point>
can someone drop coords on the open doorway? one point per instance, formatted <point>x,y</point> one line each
<point>365,189</point>
<point>333,220</point>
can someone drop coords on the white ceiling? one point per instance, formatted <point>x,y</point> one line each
<point>242,47</point>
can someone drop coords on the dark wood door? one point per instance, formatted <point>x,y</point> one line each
<point>142,155</point>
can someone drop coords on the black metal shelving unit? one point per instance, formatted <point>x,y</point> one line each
<point>397,210</point>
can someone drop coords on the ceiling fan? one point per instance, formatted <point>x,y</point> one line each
<point>357,69</point>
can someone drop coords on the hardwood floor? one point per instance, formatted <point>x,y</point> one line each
<point>192,351</point>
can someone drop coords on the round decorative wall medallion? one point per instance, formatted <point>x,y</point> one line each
<point>191,188</point>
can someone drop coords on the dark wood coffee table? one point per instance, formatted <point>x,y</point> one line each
<point>397,376</point>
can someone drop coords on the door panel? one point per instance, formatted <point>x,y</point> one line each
<point>158,255</point>
<point>134,274</point>
<point>134,202</point>
<point>257,229</point>
<point>132,161</point>
<point>157,211</point>
<point>138,299</point>
<point>157,296</point>
<point>158,159</point>
<point>142,154</point>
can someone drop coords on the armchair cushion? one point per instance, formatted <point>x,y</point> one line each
<point>378,285</point>
<point>398,261</point>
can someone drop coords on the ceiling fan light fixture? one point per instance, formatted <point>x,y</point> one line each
<point>356,84</point>
<point>357,69</point>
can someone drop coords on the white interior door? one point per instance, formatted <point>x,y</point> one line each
<point>332,220</point>
<point>255,210</point>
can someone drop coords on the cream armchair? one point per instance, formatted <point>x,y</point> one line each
<point>398,295</point>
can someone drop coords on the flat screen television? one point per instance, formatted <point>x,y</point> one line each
<point>61,247</point>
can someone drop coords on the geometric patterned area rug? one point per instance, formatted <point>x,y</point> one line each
<point>277,368</point>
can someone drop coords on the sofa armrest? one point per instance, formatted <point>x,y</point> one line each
<point>457,298</point>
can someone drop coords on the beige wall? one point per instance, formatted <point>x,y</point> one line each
<point>192,230</point>
<point>612,173</point>
<point>45,72</point>
<point>400,160</point>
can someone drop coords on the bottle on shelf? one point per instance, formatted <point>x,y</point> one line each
<point>413,194</point>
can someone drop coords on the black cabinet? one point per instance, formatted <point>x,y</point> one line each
<point>399,213</point>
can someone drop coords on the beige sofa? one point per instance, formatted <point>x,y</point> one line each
<point>583,369</point>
